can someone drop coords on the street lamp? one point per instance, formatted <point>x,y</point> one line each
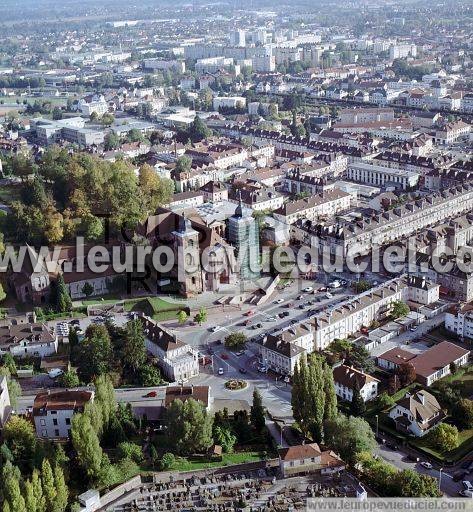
<point>376,425</point>
<point>440,478</point>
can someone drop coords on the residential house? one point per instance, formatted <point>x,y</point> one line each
<point>436,362</point>
<point>28,340</point>
<point>308,458</point>
<point>178,361</point>
<point>417,413</point>
<point>53,412</point>
<point>348,379</point>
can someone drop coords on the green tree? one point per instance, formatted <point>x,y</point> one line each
<point>131,451</point>
<point>182,316</point>
<point>63,301</point>
<point>225,438</point>
<point>69,379</point>
<point>112,141</point>
<point>399,309</point>
<point>384,401</point>
<point>235,340</point>
<point>20,437</point>
<point>48,484</point>
<point>13,495</point>
<point>37,487</point>
<point>199,130</point>
<point>189,427</point>
<point>9,362</point>
<point>150,376</point>
<point>362,286</point>
<point>134,349</point>
<point>87,289</point>
<point>86,444</point>
<point>62,492</point>
<point>14,388</point>
<point>183,164</point>
<point>411,484</point>
<point>349,436</point>
<point>201,316</point>
<point>257,412</point>
<point>463,412</point>
<point>155,190</point>
<point>94,354</point>
<point>357,405</point>
<point>444,437</point>
<point>107,119</point>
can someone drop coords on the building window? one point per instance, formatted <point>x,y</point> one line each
<point>55,422</point>
<point>42,422</point>
<point>68,421</point>
<point>56,433</point>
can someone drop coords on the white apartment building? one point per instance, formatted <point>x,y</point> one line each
<point>229,102</point>
<point>452,131</point>
<point>459,320</point>
<point>312,208</point>
<point>360,311</point>
<point>380,176</point>
<point>400,222</point>
<point>93,104</point>
<point>281,352</point>
<point>178,361</point>
<point>264,64</point>
<point>178,66</point>
<point>400,51</point>
<point>348,379</point>
<point>53,412</point>
<point>365,115</point>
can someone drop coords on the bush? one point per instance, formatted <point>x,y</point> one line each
<point>131,451</point>
<point>167,461</point>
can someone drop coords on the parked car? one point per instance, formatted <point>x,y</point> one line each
<point>279,301</point>
<point>242,370</point>
<point>55,373</point>
<point>220,371</point>
<point>426,465</point>
<point>262,369</point>
<point>466,494</point>
<point>300,297</point>
<point>240,353</point>
<point>151,394</point>
<point>467,485</point>
<point>216,328</point>
<point>308,289</point>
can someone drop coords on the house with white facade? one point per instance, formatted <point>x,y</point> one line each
<point>94,103</point>
<point>178,360</point>
<point>281,352</point>
<point>29,339</point>
<point>381,176</point>
<point>417,413</point>
<point>53,412</point>
<point>348,379</point>
<point>308,458</point>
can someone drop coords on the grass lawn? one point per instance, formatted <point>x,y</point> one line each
<point>465,446</point>
<point>228,459</point>
<point>159,309</point>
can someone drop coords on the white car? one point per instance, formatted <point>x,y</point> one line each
<point>467,485</point>
<point>55,373</point>
<point>216,328</point>
<point>279,301</point>
<point>426,465</point>
<point>308,289</point>
<point>220,371</point>
<point>329,295</point>
<point>466,494</point>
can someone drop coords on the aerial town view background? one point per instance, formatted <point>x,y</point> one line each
<point>236,255</point>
